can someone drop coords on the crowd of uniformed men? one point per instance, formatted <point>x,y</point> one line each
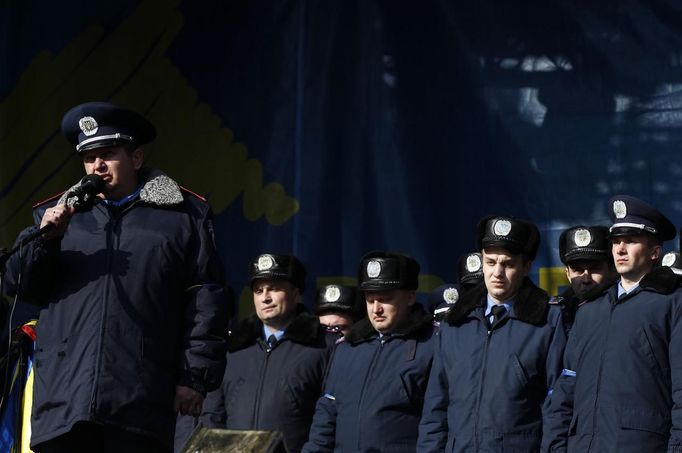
<point>493,365</point>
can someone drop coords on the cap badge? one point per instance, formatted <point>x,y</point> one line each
<point>669,259</point>
<point>451,295</point>
<point>373,269</point>
<point>265,262</point>
<point>502,227</point>
<point>473,263</point>
<point>582,237</point>
<point>88,125</point>
<point>332,294</point>
<point>619,209</point>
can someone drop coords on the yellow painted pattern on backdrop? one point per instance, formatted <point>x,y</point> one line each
<point>129,67</point>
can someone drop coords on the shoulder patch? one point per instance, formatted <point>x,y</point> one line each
<point>47,200</point>
<point>196,195</point>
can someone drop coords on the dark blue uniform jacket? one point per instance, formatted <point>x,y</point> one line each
<point>489,385</point>
<point>375,390</point>
<point>272,389</point>
<point>621,390</point>
<point>133,306</point>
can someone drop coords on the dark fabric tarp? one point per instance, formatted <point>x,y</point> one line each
<point>327,129</point>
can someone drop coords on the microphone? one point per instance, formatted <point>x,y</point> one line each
<point>90,184</point>
<point>86,191</point>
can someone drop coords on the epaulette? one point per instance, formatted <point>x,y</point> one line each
<point>196,195</point>
<point>47,200</point>
<point>555,300</point>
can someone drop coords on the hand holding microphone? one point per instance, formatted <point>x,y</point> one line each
<point>56,219</point>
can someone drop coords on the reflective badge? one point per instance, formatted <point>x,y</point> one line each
<point>451,295</point>
<point>502,227</point>
<point>265,262</point>
<point>669,259</point>
<point>619,209</point>
<point>373,269</point>
<point>332,293</point>
<point>473,263</point>
<point>88,125</point>
<point>582,237</point>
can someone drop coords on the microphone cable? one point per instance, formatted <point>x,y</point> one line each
<point>5,380</point>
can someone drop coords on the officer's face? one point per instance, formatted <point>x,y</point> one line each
<point>336,322</point>
<point>634,255</point>
<point>117,167</point>
<point>275,302</point>
<point>503,272</point>
<point>586,274</point>
<point>388,310</point>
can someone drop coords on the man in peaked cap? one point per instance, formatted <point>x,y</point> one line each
<point>498,353</point>
<point>337,307</point>
<point>586,253</point>
<point>375,388</point>
<point>277,358</point>
<point>621,389</point>
<point>132,330</point>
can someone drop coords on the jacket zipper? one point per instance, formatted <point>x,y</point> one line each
<point>110,228</point>
<point>480,387</point>
<point>261,381</point>
<point>612,306</point>
<point>370,372</point>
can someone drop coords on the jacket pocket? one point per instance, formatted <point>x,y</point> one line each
<point>413,388</point>
<point>642,430</point>
<point>233,391</point>
<point>525,441</point>
<point>519,370</point>
<point>642,343</point>
<point>641,419</point>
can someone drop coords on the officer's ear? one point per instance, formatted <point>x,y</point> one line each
<point>411,298</point>
<point>656,252</point>
<point>655,246</point>
<point>295,293</point>
<point>138,158</point>
<point>526,264</point>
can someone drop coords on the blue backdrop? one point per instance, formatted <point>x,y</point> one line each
<point>330,128</point>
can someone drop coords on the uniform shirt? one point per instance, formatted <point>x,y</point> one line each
<point>277,333</point>
<point>491,303</point>
<point>622,290</point>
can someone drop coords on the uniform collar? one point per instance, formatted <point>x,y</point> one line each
<point>491,303</point>
<point>530,304</point>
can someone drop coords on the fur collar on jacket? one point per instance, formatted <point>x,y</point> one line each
<point>416,322</point>
<point>304,329</point>
<point>530,304</point>
<point>157,189</point>
<point>661,280</point>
